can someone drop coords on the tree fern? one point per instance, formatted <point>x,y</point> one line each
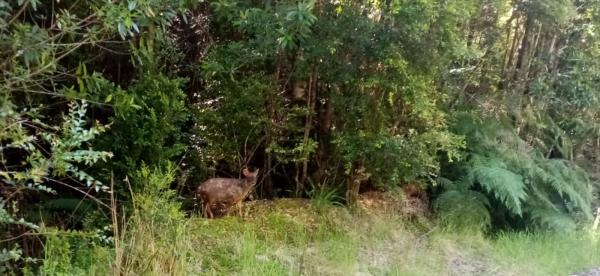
<point>551,193</point>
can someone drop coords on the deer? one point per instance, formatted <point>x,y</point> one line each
<point>226,191</point>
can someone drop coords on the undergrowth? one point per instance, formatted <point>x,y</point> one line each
<point>299,236</point>
<point>285,237</point>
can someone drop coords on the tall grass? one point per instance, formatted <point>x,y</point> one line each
<point>546,253</point>
<point>324,196</point>
<point>289,237</point>
<point>155,239</point>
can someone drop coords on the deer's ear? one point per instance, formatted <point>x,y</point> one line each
<point>246,172</point>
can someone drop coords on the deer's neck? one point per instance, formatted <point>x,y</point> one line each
<point>248,183</point>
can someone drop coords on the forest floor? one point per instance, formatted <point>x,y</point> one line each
<point>302,237</point>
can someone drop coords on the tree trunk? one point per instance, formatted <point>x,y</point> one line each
<point>522,66</point>
<point>554,55</point>
<point>325,122</point>
<point>353,186</point>
<point>357,176</point>
<point>267,186</point>
<point>310,105</point>
<point>539,48</point>
<point>511,54</point>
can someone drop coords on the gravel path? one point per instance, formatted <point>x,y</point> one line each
<point>592,272</point>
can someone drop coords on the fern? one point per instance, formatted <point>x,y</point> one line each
<point>507,186</point>
<point>571,184</point>
<point>549,193</point>
<point>554,220</point>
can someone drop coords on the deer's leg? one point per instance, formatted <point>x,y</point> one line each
<point>209,211</point>
<point>240,208</point>
<point>229,207</point>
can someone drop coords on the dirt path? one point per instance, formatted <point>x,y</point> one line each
<point>592,272</point>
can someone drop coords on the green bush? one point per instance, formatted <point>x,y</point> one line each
<point>74,253</point>
<point>149,131</point>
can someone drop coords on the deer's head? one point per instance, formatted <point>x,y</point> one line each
<point>250,176</point>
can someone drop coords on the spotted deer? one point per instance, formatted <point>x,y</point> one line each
<point>226,191</point>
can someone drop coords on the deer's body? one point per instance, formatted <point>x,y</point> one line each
<point>226,191</point>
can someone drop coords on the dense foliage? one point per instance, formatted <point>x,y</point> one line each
<point>489,105</point>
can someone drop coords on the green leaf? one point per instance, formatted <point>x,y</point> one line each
<point>131,5</point>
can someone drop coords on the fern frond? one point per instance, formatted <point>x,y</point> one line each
<point>554,220</point>
<point>445,182</point>
<point>541,195</point>
<point>505,185</point>
<point>571,184</point>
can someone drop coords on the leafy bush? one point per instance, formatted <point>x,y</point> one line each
<point>46,152</point>
<point>149,131</point>
<point>74,253</point>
